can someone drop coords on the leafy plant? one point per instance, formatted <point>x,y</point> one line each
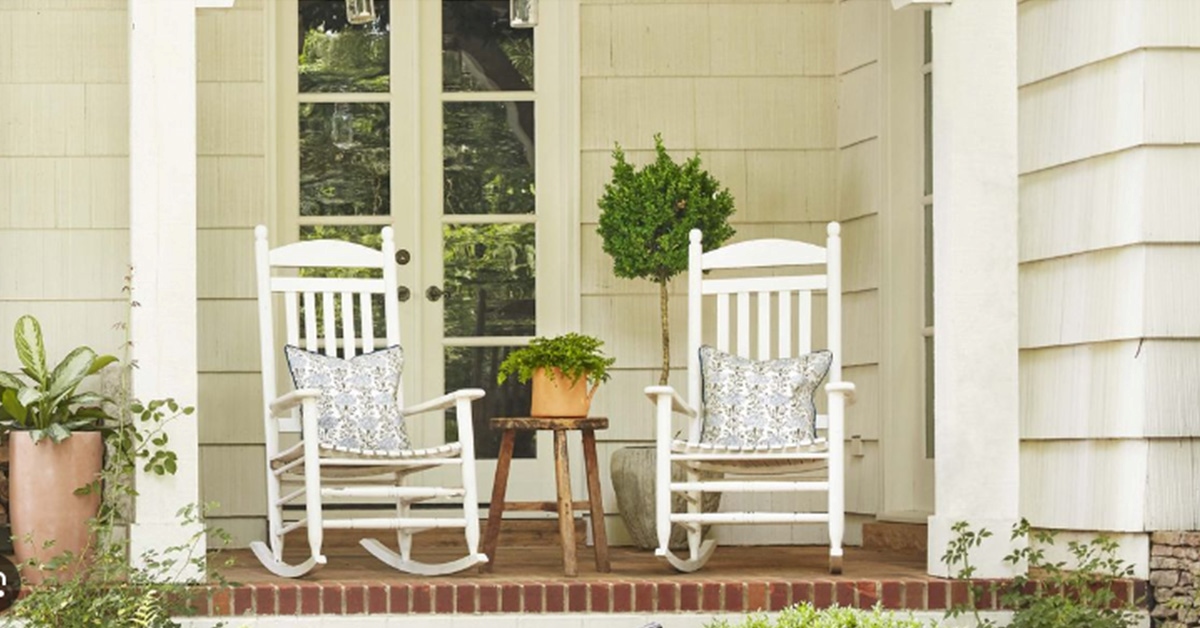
<point>576,355</point>
<point>646,215</point>
<point>807,616</point>
<point>100,587</point>
<point>1050,594</point>
<point>48,404</point>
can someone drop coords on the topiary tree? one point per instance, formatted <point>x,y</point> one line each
<point>645,217</point>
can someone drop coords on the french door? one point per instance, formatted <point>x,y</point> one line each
<point>433,119</point>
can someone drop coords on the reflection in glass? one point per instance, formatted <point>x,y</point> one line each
<point>488,158</point>
<point>342,131</point>
<point>337,181</point>
<point>524,13</point>
<point>475,367</point>
<point>360,11</point>
<point>366,236</point>
<point>489,280</point>
<point>336,56</point>
<point>481,51</point>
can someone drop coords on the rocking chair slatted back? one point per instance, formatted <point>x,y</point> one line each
<point>788,296</point>
<point>316,309</point>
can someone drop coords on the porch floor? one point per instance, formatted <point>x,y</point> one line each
<point>528,578</point>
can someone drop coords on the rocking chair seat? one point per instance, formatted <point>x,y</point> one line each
<point>441,452</point>
<point>803,456</point>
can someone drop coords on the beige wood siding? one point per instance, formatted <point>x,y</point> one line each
<point>64,172</point>
<point>1109,250</point>
<point>232,197</point>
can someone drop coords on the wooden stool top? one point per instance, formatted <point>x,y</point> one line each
<point>550,423</point>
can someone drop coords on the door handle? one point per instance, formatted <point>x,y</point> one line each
<point>403,257</point>
<point>403,294</point>
<point>434,293</point>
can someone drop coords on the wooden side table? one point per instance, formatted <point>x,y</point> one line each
<point>562,475</point>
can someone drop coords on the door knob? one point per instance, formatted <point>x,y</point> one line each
<point>403,293</point>
<point>434,293</point>
<point>403,257</point>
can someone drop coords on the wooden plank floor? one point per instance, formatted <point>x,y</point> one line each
<point>532,554</point>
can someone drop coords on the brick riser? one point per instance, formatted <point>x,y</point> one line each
<point>593,597</point>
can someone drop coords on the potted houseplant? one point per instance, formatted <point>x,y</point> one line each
<point>646,215</point>
<point>55,448</point>
<point>561,369</point>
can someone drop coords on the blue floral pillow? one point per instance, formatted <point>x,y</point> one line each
<point>760,403</point>
<point>357,409</point>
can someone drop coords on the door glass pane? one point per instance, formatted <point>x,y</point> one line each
<point>475,367</point>
<point>489,280</point>
<point>488,158</point>
<point>344,168</point>
<point>336,56</point>
<point>481,51</point>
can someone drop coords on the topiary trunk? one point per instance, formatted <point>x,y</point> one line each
<point>663,302</point>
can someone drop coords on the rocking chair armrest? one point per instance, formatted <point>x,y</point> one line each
<point>677,402</point>
<point>846,389</point>
<point>445,401</point>
<point>287,402</point>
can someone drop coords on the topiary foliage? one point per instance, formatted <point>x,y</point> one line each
<point>646,215</point>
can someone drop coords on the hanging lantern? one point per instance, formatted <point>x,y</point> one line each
<point>360,11</point>
<point>523,13</point>
<point>341,127</point>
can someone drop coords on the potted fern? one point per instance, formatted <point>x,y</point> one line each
<point>561,368</point>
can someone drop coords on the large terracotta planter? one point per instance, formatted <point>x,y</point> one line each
<point>43,502</point>
<point>632,470</point>
<point>559,397</point>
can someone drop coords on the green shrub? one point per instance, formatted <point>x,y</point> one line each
<point>806,616</point>
<point>1058,594</point>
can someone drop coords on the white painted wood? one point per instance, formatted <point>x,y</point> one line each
<point>743,325</point>
<point>901,4</point>
<point>1115,498</point>
<point>667,401</point>
<point>804,312</point>
<point>161,141</point>
<point>1106,201</point>
<point>751,284</point>
<point>311,457</point>
<point>762,253</point>
<point>975,243</point>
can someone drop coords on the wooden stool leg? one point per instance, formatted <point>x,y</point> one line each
<point>595,501</point>
<point>566,515</point>
<point>496,508</point>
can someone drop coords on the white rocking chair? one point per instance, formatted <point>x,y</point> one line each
<point>354,443</point>
<point>728,436</point>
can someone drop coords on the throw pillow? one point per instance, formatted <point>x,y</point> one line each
<point>760,403</point>
<point>357,411</point>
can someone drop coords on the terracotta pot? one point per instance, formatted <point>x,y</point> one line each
<point>559,397</point>
<point>43,503</point>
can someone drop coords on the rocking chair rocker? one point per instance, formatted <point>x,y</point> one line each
<point>348,408</point>
<point>755,418</point>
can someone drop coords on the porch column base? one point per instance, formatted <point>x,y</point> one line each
<point>150,541</point>
<point>987,558</point>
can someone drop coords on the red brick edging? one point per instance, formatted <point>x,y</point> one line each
<point>304,598</point>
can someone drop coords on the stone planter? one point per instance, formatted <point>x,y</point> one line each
<point>632,471</point>
<point>44,505</point>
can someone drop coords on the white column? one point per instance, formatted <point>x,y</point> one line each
<point>976,461</point>
<point>162,219</point>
